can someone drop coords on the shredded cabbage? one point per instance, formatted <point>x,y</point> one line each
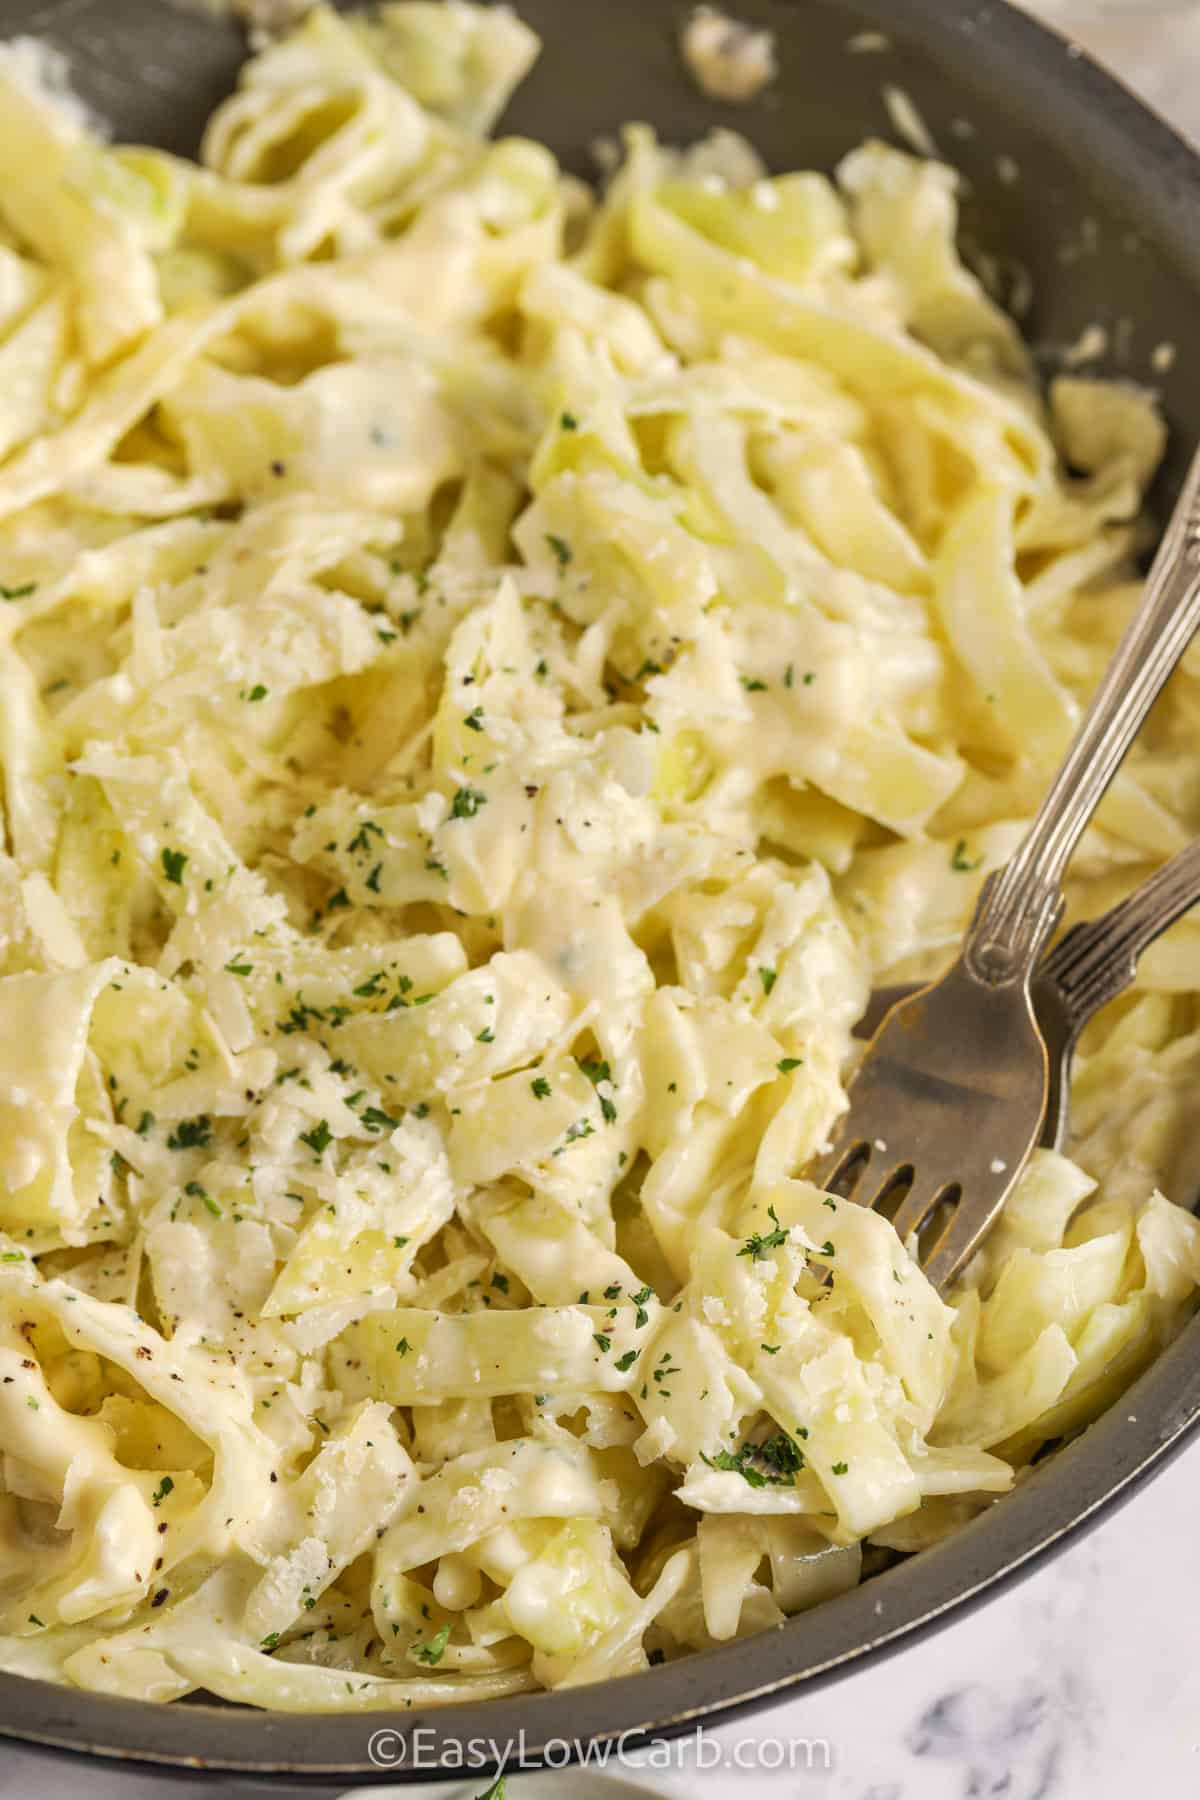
<point>492,677</point>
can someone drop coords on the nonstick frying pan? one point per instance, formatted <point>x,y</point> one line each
<point>1102,226</point>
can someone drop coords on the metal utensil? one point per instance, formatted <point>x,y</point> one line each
<point>1089,966</point>
<point>950,1097</point>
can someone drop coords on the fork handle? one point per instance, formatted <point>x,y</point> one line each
<point>1022,903</point>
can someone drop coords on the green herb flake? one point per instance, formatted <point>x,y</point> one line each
<point>466,803</point>
<point>431,1650</point>
<point>597,1072</point>
<point>768,977</point>
<point>190,1134</point>
<point>560,547</point>
<point>757,1245</point>
<point>318,1139</point>
<point>174,862</point>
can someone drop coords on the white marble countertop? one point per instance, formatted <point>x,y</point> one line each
<point>1083,1682</point>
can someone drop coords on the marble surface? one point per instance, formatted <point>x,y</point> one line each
<point>1154,46</point>
<point>1082,1683</point>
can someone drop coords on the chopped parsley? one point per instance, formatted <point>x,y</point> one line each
<point>773,1464</point>
<point>189,1134</point>
<point>432,1649</point>
<point>568,421</point>
<point>375,1119</point>
<point>466,803</point>
<point>166,1486</point>
<point>597,1072</point>
<point>541,1087</point>
<point>757,1245</point>
<point>768,977</point>
<point>257,692</point>
<point>582,1128</point>
<point>319,1138</point>
<point>360,843</point>
<point>560,547</point>
<point>196,1192</point>
<point>639,1300</point>
<point>18,593</point>
<point>960,862</point>
<point>786,1064</point>
<point>474,719</point>
<point>238,968</point>
<point>174,862</point>
<point>626,1362</point>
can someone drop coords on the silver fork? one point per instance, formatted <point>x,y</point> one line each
<point>949,1098</point>
<point>1089,966</point>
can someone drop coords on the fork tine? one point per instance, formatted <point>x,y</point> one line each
<point>843,1165</point>
<point>895,1175</point>
<point>957,1243</point>
<point>921,1201</point>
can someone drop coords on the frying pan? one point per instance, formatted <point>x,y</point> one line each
<point>1103,224</point>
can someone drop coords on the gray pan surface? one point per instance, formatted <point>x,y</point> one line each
<point>1105,220</point>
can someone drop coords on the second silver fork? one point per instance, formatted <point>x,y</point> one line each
<point>949,1099</point>
<point>1090,965</point>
